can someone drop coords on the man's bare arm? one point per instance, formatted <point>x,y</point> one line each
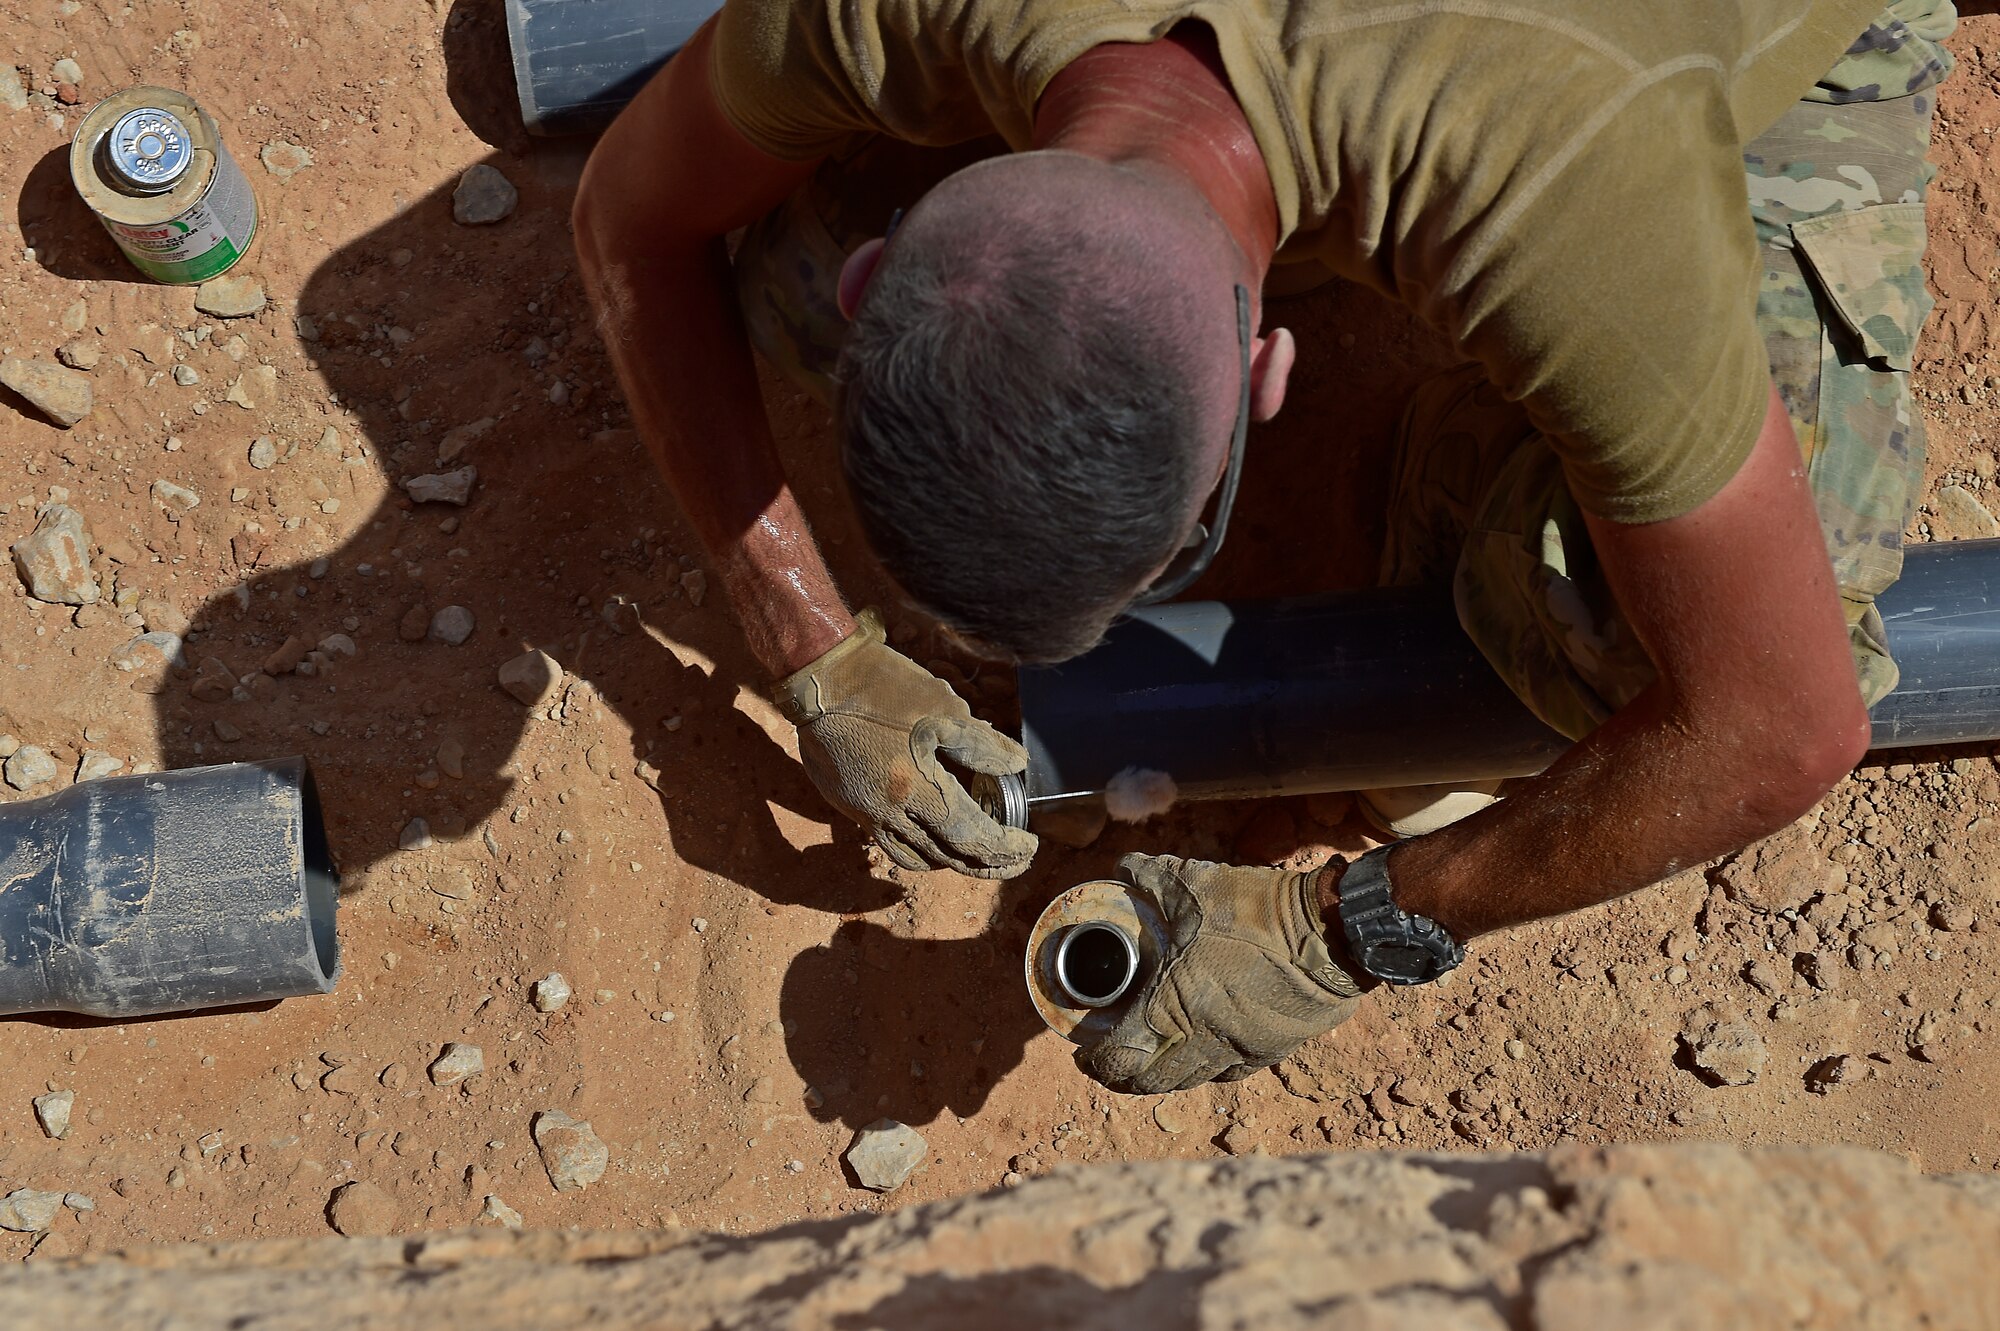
<point>1755,715</point>
<point>668,181</point>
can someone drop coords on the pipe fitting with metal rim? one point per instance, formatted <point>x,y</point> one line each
<point>1090,954</point>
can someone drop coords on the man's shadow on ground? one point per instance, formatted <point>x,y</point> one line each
<point>572,544</point>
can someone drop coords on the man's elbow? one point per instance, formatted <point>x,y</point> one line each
<point>1801,753</point>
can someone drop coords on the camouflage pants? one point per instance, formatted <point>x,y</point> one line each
<point>1836,190</point>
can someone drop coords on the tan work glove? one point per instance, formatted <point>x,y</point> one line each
<point>871,724</point>
<point>1247,978</point>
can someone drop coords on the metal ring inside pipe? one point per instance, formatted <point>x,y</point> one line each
<point>1096,962</point>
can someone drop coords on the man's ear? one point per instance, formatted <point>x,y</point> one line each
<point>854,275</point>
<point>1271,358</point>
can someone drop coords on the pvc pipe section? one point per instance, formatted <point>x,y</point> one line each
<point>167,892</point>
<point>576,62</point>
<point>1382,688</point>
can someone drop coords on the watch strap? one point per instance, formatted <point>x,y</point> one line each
<point>1370,918</point>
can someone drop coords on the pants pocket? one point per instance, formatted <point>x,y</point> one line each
<point>1865,269</point>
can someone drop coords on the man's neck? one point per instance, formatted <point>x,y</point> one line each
<point>1168,105</point>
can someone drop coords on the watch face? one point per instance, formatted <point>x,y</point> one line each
<point>1400,963</point>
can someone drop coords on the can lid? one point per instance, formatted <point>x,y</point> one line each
<point>147,151</point>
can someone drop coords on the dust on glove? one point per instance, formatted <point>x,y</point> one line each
<point>1247,978</point>
<point>872,726</point>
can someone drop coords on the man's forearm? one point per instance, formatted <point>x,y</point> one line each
<point>1754,715</point>
<point>1644,796</point>
<point>667,181</point>
<point>677,341</point>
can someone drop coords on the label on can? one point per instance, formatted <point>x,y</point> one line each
<point>204,240</point>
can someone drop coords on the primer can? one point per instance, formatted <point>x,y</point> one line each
<point>152,165</point>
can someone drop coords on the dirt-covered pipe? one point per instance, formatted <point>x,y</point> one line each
<point>167,892</point>
<point>1382,688</point>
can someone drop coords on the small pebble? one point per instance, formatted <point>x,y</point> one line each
<point>551,992</point>
<point>449,487</point>
<point>885,1154</point>
<point>360,1209</point>
<point>499,1213</point>
<point>59,394</point>
<point>175,498</point>
<point>483,197</point>
<point>30,765</point>
<point>416,835</point>
<point>456,1063</point>
<point>52,1111</point>
<point>532,677</point>
<point>234,296</point>
<point>574,1156</point>
<point>283,158</point>
<point>451,625</point>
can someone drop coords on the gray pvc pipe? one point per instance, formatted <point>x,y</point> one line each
<point>576,62</point>
<point>1382,688</point>
<point>167,892</point>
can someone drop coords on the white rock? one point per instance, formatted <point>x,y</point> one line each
<point>497,1212</point>
<point>338,644</point>
<point>13,92</point>
<point>256,387</point>
<point>97,764</point>
<point>30,766</point>
<point>187,376</point>
<point>55,561</point>
<point>26,1211</point>
<point>551,992</point>
<point>483,197</point>
<point>263,453</point>
<point>444,487</point>
<point>175,497</point>
<point>52,1112</point>
<point>283,158</point>
<point>1964,514</point>
<point>234,296</point>
<point>416,835</point>
<point>67,70</point>
<point>60,394</point>
<point>1727,1052</point>
<point>456,1063</point>
<point>885,1154</point>
<point>571,1152</point>
<point>149,653</point>
<point>452,625</point>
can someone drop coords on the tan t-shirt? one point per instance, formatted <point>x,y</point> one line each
<point>1555,185</point>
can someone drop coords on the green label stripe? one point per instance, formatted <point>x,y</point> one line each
<point>198,269</point>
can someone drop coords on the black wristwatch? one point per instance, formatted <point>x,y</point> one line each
<point>1391,944</point>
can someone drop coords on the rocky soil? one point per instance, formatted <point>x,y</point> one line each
<point>1584,1238</point>
<point>324,507</point>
